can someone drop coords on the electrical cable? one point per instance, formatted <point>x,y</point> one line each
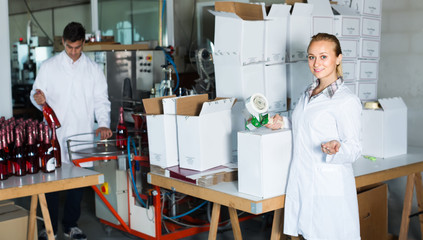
<point>130,169</point>
<point>189,212</point>
<point>39,25</point>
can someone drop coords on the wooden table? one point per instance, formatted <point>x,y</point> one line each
<point>367,172</point>
<point>36,185</point>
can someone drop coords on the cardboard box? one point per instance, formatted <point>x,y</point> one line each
<point>367,90</point>
<point>275,86</point>
<point>14,222</point>
<point>349,69</point>
<point>264,157</point>
<point>367,70</point>
<point>352,86</point>
<point>322,17</point>
<point>243,81</point>
<point>204,132</point>
<point>385,130</point>
<point>346,22</point>
<point>276,31</point>
<point>373,212</point>
<point>299,37</point>
<point>162,135</point>
<point>238,124</point>
<point>368,7</point>
<point>349,48</point>
<point>370,27</point>
<point>299,77</point>
<point>239,33</point>
<point>369,48</point>
<point>239,81</point>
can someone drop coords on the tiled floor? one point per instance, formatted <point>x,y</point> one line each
<point>256,228</point>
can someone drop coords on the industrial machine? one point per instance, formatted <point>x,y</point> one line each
<point>130,77</point>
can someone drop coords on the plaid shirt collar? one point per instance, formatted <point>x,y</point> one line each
<point>329,91</point>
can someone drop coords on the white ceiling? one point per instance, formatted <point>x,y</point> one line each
<point>19,6</point>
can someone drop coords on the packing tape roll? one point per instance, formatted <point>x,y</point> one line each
<point>257,104</point>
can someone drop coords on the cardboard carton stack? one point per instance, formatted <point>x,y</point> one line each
<point>366,74</point>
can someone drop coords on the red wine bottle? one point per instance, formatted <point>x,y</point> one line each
<point>48,162</point>
<point>32,161</point>
<point>121,132</point>
<point>56,147</point>
<point>40,143</point>
<point>4,168</point>
<point>18,155</point>
<point>50,115</point>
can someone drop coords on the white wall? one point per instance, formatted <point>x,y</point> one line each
<point>5,78</point>
<point>401,73</point>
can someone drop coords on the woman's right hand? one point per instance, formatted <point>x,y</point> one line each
<point>39,97</point>
<point>275,122</point>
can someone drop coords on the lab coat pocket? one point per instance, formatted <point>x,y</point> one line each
<point>328,180</point>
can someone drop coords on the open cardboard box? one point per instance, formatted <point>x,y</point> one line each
<point>346,21</point>
<point>162,135</point>
<point>204,132</point>
<point>245,33</point>
<point>384,130</point>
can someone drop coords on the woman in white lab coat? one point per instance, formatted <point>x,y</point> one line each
<point>321,198</point>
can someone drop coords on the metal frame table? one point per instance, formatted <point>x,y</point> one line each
<point>36,185</point>
<point>367,172</point>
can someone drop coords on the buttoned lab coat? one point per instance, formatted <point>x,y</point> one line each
<point>321,198</point>
<point>77,92</point>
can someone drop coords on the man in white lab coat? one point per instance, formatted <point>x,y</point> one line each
<point>76,89</point>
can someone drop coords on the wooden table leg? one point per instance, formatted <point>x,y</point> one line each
<point>277,225</point>
<point>235,223</point>
<point>214,224</point>
<point>419,195</point>
<point>32,217</point>
<point>46,216</point>
<point>408,200</point>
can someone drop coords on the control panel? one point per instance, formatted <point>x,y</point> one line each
<point>148,70</point>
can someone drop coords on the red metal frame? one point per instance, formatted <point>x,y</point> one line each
<point>157,209</point>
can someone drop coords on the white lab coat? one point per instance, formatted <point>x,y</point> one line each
<point>77,92</point>
<point>321,198</point>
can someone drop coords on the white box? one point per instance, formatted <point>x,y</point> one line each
<point>370,27</point>
<point>368,7</point>
<point>276,32</point>
<point>299,77</point>
<point>162,136</point>
<point>346,22</point>
<point>367,70</point>
<point>264,157</point>
<point>239,81</point>
<point>322,17</point>
<point>204,133</point>
<point>275,86</point>
<point>369,48</point>
<point>299,31</point>
<point>367,91</point>
<point>349,70</point>
<point>349,48</point>
<point>238,124</point>
<point>243,81</point>
<point>352,86</point>
<point>385,130</point>
<point>239,33</point>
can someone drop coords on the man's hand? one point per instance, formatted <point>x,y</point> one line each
<point>331,147</point>
<point>39,97</point>
<point>104,132</point>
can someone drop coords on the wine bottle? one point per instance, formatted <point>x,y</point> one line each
<point>7,152</point>
<point>121,132</point>
<point>19,166</point>
<point>4,168</point>
<point>50,115</point>
<point>40,143</point>
<point>56,147</point>
<point>48,162</point>
<point>32,161</point>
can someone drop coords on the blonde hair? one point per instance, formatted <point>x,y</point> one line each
<point>333,39</point>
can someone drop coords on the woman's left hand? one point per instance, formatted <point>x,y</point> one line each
<point>331,147</point>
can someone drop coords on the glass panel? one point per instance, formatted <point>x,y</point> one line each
<point>129,20</point>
